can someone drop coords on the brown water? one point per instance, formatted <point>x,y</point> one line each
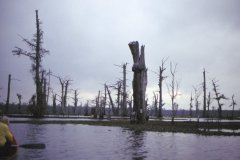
<point>85,142</point>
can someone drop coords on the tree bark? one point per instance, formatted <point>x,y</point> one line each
<point>139,82</point>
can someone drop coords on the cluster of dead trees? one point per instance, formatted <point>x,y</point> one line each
<point>137,102</point>
<point>208,99</point>
<point>105,98</point>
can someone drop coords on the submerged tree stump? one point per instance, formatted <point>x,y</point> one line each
<point>139,83</point>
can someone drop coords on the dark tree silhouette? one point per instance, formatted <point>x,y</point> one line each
<point>36,54</point>
<point>208,103</point>
<point>155,102</point>
<point>218,97</point>
<point>139,83</point>
<point>54,98</point>
<point>75,100</point>
<point>204,94</point>
<point>233,105</point>
<point>8,93</point>
<point>19,96</point>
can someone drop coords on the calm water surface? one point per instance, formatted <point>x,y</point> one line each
<point>85,142</point>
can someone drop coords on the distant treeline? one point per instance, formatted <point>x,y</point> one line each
<point>89,110</point>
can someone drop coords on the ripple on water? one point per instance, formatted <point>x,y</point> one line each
<point>77,141</point>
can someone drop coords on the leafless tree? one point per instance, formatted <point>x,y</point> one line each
<point>218,97</point>
<point>36,54</point>
<point>139,82</point>
<point>204,93</point>
<point>97,108</point>
<point>124,93</point>
<point>155,102</point>
<point>233,105</point>
<point>54,98</point>
<point>197,94</point>
<point>19,96</point>
<point>75,100</point>
<point>64,90</point>
<point>161,79</point>
<point>208,103</point>
<point>191,105</point>
<point>110,99</point>
<point>173,89</point>
<point>8,93</point>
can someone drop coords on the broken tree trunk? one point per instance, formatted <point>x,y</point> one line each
<point>111,101</point>
<point>139,82</point>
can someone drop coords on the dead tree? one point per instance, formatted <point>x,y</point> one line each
<point>105,100</point>
<point>218,97</point>
<point>173,89</point>
<point>161,79</point>
<point>65,94</point>
<point>124,93</point>
<point>35,56</point>
<point>204,93</point>
<point>19,96</point>
<point>197,94</point>
<point>155,102</point>
<point>64,90</point>
<point>111,101</point>
<point>139,83</point>
<point>86,109</point>
<point>97,108</point>
<point>233,105</point>
<point>119,88</point>
<point>54,98</point>
<point>75,100</point>
<point>208,103</point>
<point>49,80</point>
<point>62,82</point>
<point>191,106</point>
<point>8,93</point>
<point>44,96</point>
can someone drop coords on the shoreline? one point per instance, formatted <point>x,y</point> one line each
<point>201,128</point>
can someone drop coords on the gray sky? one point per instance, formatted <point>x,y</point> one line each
<point>86,38</point>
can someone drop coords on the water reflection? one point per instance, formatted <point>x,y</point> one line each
<point>136,140</point>
<point>97,142</point>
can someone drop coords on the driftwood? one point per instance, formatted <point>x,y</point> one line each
<point>139,83</point>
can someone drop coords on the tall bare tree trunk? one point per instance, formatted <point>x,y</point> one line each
<point>124,104</point>
<point>218,98</point>
<point>208,103</point>
<point>161,78</point>
<point>8,94</point>
<point>139,82</point>
<point>111,101</point>
<point>204,94</point>
<point>191,105</point>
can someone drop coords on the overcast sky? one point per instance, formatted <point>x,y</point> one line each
<point>87,38</point>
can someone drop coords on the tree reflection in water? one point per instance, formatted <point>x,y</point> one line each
<point>136,140</point>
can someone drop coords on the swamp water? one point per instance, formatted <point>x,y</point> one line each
<point>76,142</point>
